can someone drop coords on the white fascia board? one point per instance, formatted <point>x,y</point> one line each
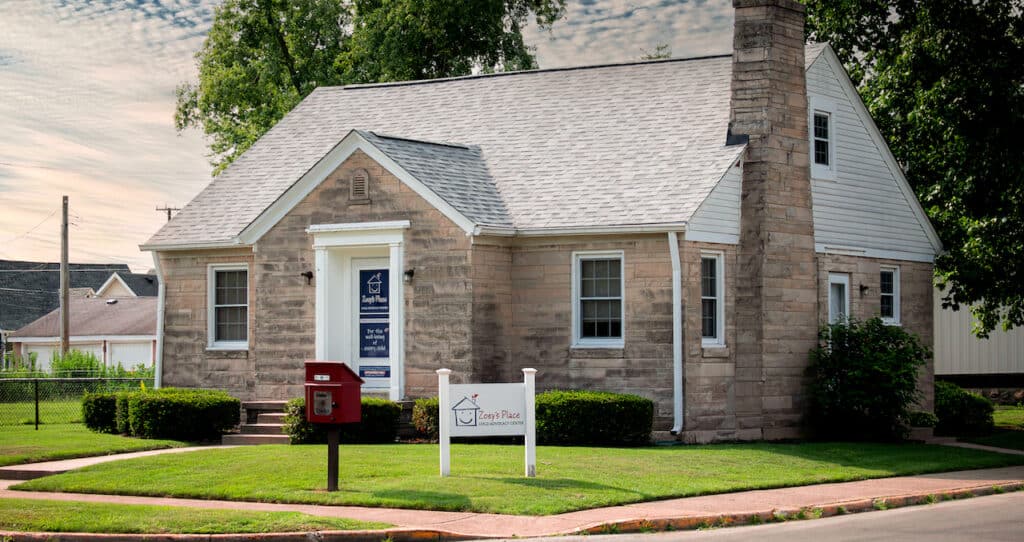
<point>359,226</point>
<point>84,339</point>
<point>581,230</point>
<point>822,248</point>
<point>876,136</point>
<point>324,167</point>
<point>113,277</point>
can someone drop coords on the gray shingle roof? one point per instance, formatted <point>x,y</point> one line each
<point>95,316</point>
<point>612,145</point>
<point>29,290</point>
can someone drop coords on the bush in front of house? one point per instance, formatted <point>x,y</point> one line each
<point>181,414</point>
<point>593,418</point>
<point>863,381</point>
<point>379,423</point>
<point>920,418</point>
<point>960,412</point>
<point>99,412</point>
<point>424,417</point>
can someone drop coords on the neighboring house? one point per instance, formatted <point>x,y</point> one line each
<point>961,357</point>
<point>128,285</point>
<point>29,290</point>
<point>644,228</point>
<point>117,331</point>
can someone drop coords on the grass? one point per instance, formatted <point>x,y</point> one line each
<point>80,517</point>
<point>50,412</point>
<point>1009,432</point>
<point>23,444</point>
<point>489,478</point>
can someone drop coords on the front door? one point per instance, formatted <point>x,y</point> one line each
<point>370,318</point>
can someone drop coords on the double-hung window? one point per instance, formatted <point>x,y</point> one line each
<point>228,307</point>
<point>598,308</point>
<point>838,297</point>
<point>822,131</point>
<point>712,299</point>
<point>890,294</point>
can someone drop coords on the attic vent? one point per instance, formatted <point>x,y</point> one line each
<point>359,187</point>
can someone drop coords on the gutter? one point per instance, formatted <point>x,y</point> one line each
<point>158,363</point>
<point>677,334</point>
<point>579,230</point>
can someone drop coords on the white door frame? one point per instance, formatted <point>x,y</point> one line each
<point>334,246</point>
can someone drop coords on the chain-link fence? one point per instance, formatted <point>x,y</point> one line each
<point>27,401</point>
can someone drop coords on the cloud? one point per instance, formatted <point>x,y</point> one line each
<point>87,103</point>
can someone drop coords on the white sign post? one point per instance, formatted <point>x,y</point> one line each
<point>484,410</point>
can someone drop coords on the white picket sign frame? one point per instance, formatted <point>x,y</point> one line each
<point>497,422</point>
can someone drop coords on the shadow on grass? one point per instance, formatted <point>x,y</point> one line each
<point>427,500</point>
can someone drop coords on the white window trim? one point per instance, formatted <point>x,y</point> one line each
<point>211,323</point>
<point>819,171</point>
<point>717,342</point>
<point>577,340</point>
<point>895,320</point>
<point>838,278</point>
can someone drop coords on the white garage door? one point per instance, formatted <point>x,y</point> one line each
<point>130,354</point>
<point>44,352</point>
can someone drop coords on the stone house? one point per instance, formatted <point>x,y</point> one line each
<point>644,227</point>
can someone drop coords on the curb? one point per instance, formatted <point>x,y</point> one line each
<point>609,527</point>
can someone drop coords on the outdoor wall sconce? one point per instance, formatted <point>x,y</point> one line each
<point>309,277</point>
<point>863,288</point>
<point>408,275</point>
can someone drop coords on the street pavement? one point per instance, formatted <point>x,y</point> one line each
<point>995,518</point>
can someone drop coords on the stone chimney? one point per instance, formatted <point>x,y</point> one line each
<point>776,300</point>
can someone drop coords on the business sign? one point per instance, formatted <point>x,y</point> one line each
<point>374,335</point>
<point>374,371</point>
<point>484,410</point>
<point>373,293</point>
<point>487,410</point>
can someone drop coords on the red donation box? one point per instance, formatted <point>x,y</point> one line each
<point>332,393</point>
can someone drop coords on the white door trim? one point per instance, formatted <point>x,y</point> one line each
<point>348,240</point>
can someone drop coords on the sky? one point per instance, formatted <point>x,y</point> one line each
<point>87,107</point>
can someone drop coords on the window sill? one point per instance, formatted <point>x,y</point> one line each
<point>238,347</point>
<point>598,345</point>
<point>896,323</point>
<point>714,351</point>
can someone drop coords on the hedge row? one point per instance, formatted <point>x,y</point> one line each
<point>168,413</point>
<point>379,424</point>
<point>960,412</point>
<point>572,418</point>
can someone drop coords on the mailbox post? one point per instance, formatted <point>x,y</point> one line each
<point>333,397</point>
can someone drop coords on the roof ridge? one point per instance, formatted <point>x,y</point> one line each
<point>421,141</point>
<point>360,86</point>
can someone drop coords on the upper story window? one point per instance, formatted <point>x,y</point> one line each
<point>890,294</point>
<point>598,308</point>
<point>228,307</point>
<point>822,131</point>
<point>712,299</point>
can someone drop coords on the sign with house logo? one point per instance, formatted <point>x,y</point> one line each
<point>485,410</point>
<point>374,332</point>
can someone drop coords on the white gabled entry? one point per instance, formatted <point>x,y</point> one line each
<point>346,254</point>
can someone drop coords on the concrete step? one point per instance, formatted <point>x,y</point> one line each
<point>270,417</point>
<point>264,406</point>
<point>261,429</point>
<point>244,440</point>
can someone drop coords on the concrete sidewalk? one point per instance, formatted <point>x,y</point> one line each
<point>731,508</point>
<point>30,471</point>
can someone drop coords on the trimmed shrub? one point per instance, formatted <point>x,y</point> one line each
<point>424,417</point>
<point>593,418</point>
<point>121,401</point>
<point>99,412</point>
<point>863,381</point>
<point>182,414</point>
<point>961,412</point>
<point>379,425</point>
<point>920,418</point>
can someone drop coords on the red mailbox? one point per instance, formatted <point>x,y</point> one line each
<point>332,393</point>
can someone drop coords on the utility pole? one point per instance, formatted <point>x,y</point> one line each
<point>168,210</point>
<point>65,281</point>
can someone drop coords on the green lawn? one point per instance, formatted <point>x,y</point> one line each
<point>23,444</point>
<point>50,412</point>
<point>489,478</point>
<point>1009,432</point>
<point>80,517</point>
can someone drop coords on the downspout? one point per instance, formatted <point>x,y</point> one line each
<point>677,334</point>
<point>158,369</point>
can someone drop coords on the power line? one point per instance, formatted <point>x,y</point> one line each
<point>33,228</point>
<point>56,270</point>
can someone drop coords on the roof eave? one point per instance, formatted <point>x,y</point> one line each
<point>503,231</point>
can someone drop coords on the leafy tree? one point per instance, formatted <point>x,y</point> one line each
<point>944,80</point>
<point>262,57</point>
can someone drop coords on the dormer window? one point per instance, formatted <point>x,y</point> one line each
<point>822,131</point>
